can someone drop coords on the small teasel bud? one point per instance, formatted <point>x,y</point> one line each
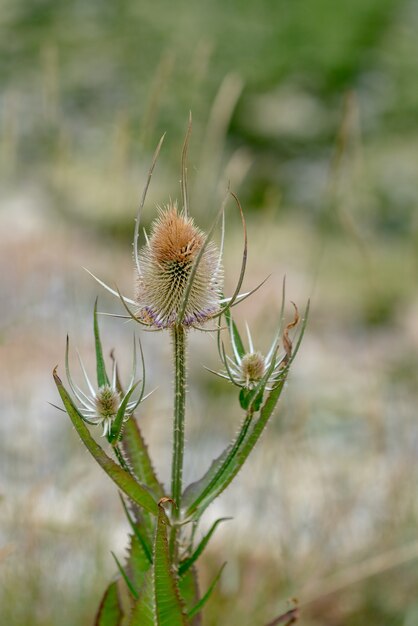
<point>107,405</point>
<point>107,402</point>
<point>253,366</point>
<point>250,370</point>
<point>165,265</point>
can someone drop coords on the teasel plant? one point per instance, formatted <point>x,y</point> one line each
<point>178,288</point>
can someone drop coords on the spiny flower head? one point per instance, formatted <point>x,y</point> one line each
<point>249,369</point>
<point>103,407</point>
<point>107,402</point>
<point>253,366</point>
<point>179,274</point>
<point>106,405</point>
<point>164,273</point>
<point>246,369</point>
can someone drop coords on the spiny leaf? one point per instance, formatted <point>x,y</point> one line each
<point>145,525</point>
<point>193,490</point>
<point>137,492</point>
<point>184,565</point>
<point>125,577</point>
<point>233,458</point>
<point>110,612</point>
<point>125,600</point>
<point>102,378</point>
<point>197,490</point>
<point>137,532</point>
<point>209,482</point>
<point>136,453</point>
<point>189,591</point>
<point>143,612</point>
<point>198,607</point>
<point>248,444</point>
<point>250,400</point>
<point>232,465</point>
<point>137,564</point>
<point>169,607</point>
<point>136,457</point>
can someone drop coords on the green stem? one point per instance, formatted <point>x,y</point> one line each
<point>121,460</point>
<point>179,340</point>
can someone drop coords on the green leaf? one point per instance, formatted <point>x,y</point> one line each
<point>143,612</point>
<point>136,457</point>
<point>198,493</point>
<point>194,490</point>
<point>134,490</point>
<point>184,565</point>
<point>137,563</point>
<point>234,462</point>
<point>168,604</point>
<point>137,532</point>
<point>136,453</point>
<point>102,378</point>
<point>125,577</point>
<point>243,399</point>
<point>189,591</point>
<point>110,612</point>
<point>199,606</point>
<point>161,584</point>
<point>224,470</point>
<point>117,425</point>
<point>144,524</point>
<point>246,398</point>
<point>139,560</point>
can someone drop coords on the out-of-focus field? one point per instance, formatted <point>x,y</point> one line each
<point>310,111</point>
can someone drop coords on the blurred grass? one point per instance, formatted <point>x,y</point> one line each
<point>310,110</point>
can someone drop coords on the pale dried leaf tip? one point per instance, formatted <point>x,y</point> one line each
<point>287,342</point>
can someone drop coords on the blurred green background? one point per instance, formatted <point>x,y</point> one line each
<point>309,109</point>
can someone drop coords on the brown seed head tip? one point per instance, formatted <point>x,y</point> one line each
<point>166,263</point>
<point>175,238</point>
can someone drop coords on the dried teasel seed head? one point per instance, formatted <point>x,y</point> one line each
<point>166,263</point>
<point>253,366</point>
